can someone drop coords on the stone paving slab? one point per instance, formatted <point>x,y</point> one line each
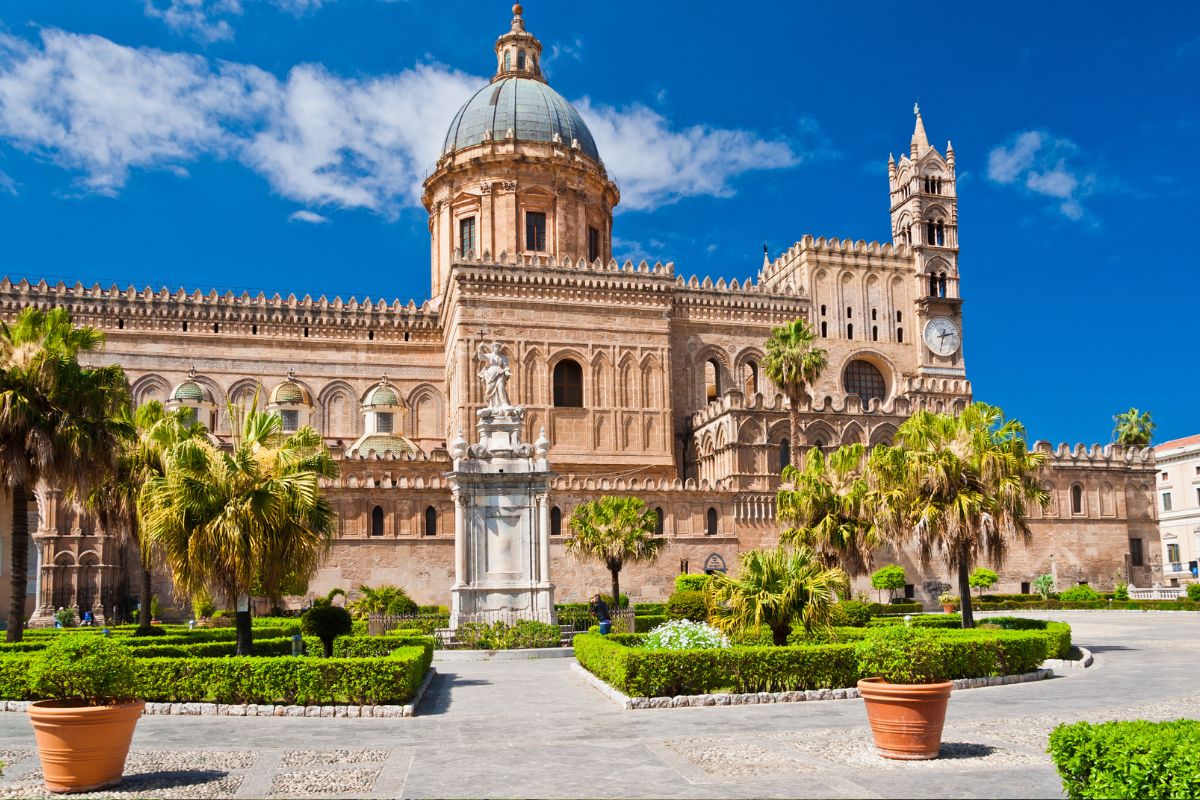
<point>532,729</point>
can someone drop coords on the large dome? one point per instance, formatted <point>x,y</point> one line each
<point>526,106</point>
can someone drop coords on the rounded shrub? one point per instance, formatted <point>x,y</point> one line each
<point>1121,591</point>
<point>87,670</point>
<point>1193,592</point>
<point>691,582</point>
<point>851,613</point>
<point>900,654</point>
<point>1080,593</point>
<point>688,604</point>
<point>683,634</point>
<point>326,622</point>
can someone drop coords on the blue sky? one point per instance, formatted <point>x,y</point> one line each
<point>280,144</point>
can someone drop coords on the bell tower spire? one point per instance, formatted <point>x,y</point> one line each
<point>920,142</point>
<point>518,52</point>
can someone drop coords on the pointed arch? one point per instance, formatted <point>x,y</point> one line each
<point>650,435</point>
<point>853,434</point>
<point>1108,501</point>
<point>533,377</point>
<point>601,394</point>
<point>883,434</point>
<point>628,394</point>
<point>651,383</point>
<point>150,387</point>
<point>750,433</point>
<point>629,433</point>
<point>426,413</point>
<point>820,434</point>
<point>337,411</point>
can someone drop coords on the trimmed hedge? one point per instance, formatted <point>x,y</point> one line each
<point>921,621</point>
<point>648,622</point>
<point>389,680</point>
<point>1093,605</point>
<point>178,638</point>
<point>898,609</point>
<point>688,604</point>
<point>1135,759</point>
<point>692,582</point>
<point>375,646</point>
<point>649,609</point>
<point>620,661</point>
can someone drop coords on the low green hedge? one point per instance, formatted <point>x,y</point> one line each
<point>648,622</point>
<point>898,609</point>
<point>623,663</point>
<point>688,604</point>
<point>1135,759</point>
<point>388,680</point>
<point>1093,605</point>
<point>375,646</point>
<point>920,621</point>
<point>181,637</point>
<point>649,609</point>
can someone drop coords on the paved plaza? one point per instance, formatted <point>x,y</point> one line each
<point>533,729</point>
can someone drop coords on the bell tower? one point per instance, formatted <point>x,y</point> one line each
<point>924,210</point>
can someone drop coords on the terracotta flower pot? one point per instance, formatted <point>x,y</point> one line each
<point>949,609</point>
<point>83,748</point>
<point>906,719</point>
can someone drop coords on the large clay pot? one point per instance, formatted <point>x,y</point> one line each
<point>949,608</point>
<point>83,748</point>
<point>906,719</point>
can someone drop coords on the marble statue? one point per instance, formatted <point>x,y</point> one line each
<point>494,375</point>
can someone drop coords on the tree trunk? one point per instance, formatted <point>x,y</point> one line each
<point>245,643</point>
<point>147,590</point>
<point>616,590</point>
<point>20,562</point>
<point>794,427</point>
<point>779,634</point>
<point>964,590</point>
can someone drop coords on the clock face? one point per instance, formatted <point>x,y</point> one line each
<point>942,336</point>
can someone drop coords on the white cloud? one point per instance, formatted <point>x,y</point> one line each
<point>657,165</point>
<point>7,184</point>
<point>104,110</point>
<point>307,216</point>
<point>1043,165</point>
<point>205,20</point>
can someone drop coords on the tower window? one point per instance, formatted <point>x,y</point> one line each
<point>712,380</point>
<point>873,315</point>
<point>933,285</point>
<point>874,333</point>
<point>899,316</point>
<point>941,233</point>
<point>710,522</point>
<point>900,335</point>
<point>849,312</point>
<point>659,521</point>
<point>942,285</point>
<point>850,331</point>
<point>824,330</point>
<point>822,309</point>
<point>535,231</point>
<point>556,521</point>
<point>520,59</point>
<point>930,232</point>
<point>466,235</point>
<point>377,521</point>
<point>568,384</point>
<point>785,454</point>
<point>431,521</point>
<point>865,380</point>
<point>1077,499</point>
<point>290,419</point>
<point>384,422</point>
<point>593,244</point>
<point>750,378</point>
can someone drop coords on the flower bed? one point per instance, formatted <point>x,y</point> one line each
<point>621,661</point>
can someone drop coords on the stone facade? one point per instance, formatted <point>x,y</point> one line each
<point>1178,501</point>
<point>646,381</point>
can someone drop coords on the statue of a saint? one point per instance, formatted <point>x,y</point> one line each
<point>495,375</point>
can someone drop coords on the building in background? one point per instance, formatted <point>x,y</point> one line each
<point>1178,488</point>
<point>647,382</point>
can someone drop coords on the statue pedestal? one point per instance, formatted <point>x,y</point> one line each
<point>501,524</point>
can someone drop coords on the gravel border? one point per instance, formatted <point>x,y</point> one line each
<point>758,698</point>
<point>268,710</point>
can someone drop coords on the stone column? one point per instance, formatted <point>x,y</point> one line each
<point>460,541</point>
<point>544,539</point>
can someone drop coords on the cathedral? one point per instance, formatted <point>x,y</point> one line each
<point>646,381</point>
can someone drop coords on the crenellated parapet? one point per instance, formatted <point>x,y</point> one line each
<point>1109,456</point>
<point>147,309</point>
<point>576,483</point>
<point>851,252</point>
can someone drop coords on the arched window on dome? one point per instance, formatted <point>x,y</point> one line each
<point>568,384</point>
<point>377,521</point>
<point>507,60</point>
<point>521,59</point>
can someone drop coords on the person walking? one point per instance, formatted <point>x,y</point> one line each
<point>600,609</point>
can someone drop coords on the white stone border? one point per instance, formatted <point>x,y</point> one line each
<point>267,710</point>
<point>1083,662</point>
<point>527,654</point>
<point>759,698</point>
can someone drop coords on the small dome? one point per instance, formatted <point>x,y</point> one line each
<point>291,392</point>
<point>190,391</point>
<point>383,395</point>
<point>382,444</point>
<point>529,108</point>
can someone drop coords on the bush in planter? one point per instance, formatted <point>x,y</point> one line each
<point>688,604</point>
<point>86,670</point>
<point>1134,759</point>
<point>900,654</point>
<point>1082,592</point>
<point>947,599</point>
<point>1193,592</point>
<point>683,634</point>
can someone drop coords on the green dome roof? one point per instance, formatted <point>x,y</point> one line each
<point>191,391</point>
<point>383,395</point>
<point>381,444</point>
<point>290,392</point>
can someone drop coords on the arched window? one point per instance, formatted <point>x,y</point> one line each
<point>900,335</point>
<point>873,315</point>
<point>556,521</point>
<point>431,521</point>
<point>822,309</point>
<point>750,378</point>
<point>824,330</point>
<point>820,445</point>
<point>942,285</point>
<point>865,380</point>
<point>849,312</point>
<point>1077,499</point>
<point>941,232</point>
<point>930,232</point>
<point>710,523</point>
<point>568,384</point>
<point>850,330</point>
<point>507,60</point>
<point>785,454</point>
<point>933,285</point>
<point>899,316</point>
<point>874,333</point>
<point>712,380</point>
<point>377,521</point>
<point>520,59</point>
<point>659,521</point>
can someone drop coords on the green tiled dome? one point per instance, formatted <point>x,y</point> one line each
<point>191,391</point>
<point>290,392</point>
<point>381,444</point>
<point>384,396</point>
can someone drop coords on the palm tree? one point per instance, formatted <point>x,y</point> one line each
<point>962,486</point>
<point>382,599</point>
<point>827,506</point>
<point>115,502</point>
<point>245,522</point>
<point>774,587</point>
<point>1133,428</point>
<point>59,423</point>
<point>792,362</point>
<point>617,531</point>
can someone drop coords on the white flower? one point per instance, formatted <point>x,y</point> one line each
<point>684,634</point>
